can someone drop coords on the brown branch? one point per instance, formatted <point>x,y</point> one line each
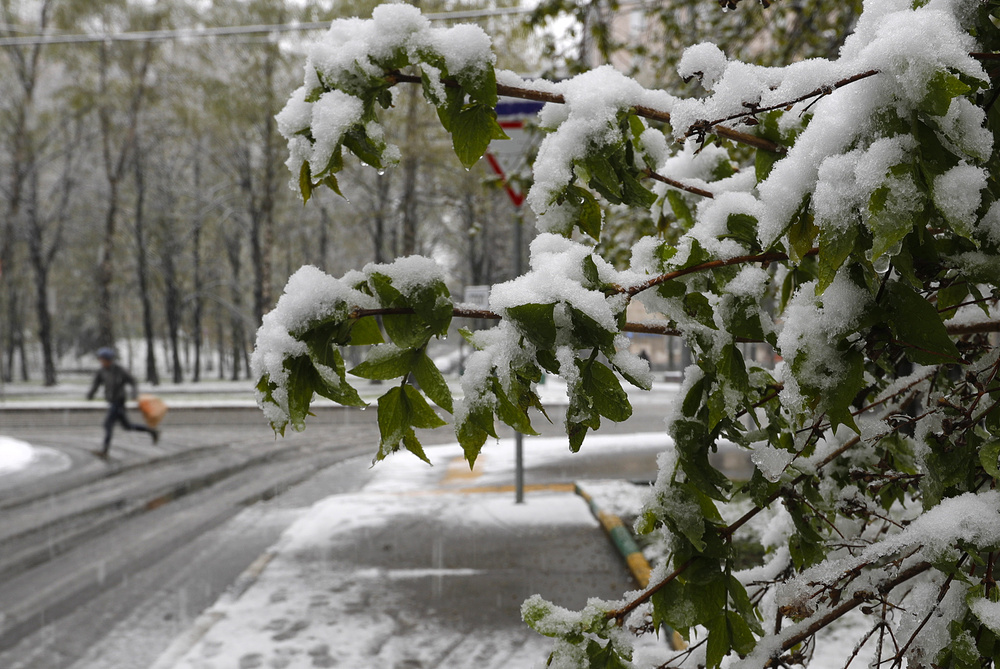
<point>848,605</point>
<point>645,112</point>
<point>753,110</point>
<point>640,328</point>
<point>619,614</point>
<point>771,256</point>
<point>973,328</point>
<point>678,184</point>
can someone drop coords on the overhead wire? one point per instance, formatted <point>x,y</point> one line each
<point>223,31</point>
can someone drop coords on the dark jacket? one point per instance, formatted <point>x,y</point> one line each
<point>114,378</point>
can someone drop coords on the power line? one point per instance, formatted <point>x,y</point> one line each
<point>202,33</point>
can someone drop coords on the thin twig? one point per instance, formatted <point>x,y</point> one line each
<point>852,603</point>
<point>619,614</point>
<point>771,256</point>
<point>678,184</point>
<point>753,110</point>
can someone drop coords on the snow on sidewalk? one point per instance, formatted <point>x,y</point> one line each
<point>416,571</point>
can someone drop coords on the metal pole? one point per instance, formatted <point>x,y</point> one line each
<point>518,437</point>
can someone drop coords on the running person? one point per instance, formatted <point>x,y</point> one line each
<point>115,378</point>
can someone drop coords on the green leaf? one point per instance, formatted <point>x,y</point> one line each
<point>536,322</point>
<point>393,421</point>
<point>421,415</point>
<point>740,635</point>
<point>950,297</point>
<point>732,368</point>
<point>364,147</point>
<point>365,332</point>
<point>603,657</point>
<point>606,393</point>
<point>680,208</point>
<point>590,334</point>
<point>602,177</point>
<point>916,323</point>
<point>745,608</point>
<point>330,371</point>
<point>764,161</point>
<point>472,131</point>
<point>473,429</point>
<point>634,194</point>
<point>452,107</point>
<point>386,361</point>
<point>719,640</point>
<point>305,181</point>
<point>840,399</point>
<point>301,384</point>
<point>988,456</point>
<point>743,228</point>
<point>835,247</point>
<point>696,306</point>
<point>432,382</point>
<point>801,233</point>
<point>432,303</point>
<point>888,222</point>
<point>941,88</point>
<point>683,514</point>
<point>412,444</point>
<point>407,331</point>
<point>511,414</point>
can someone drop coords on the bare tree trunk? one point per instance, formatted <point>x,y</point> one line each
<point>383,185</point>
<point>26,65</point>
<point>142,265</point>
<point>262,218</point>
<point>197,279</point>
<point>411,171</point>
<point>115,163</point>
<point>233,252</point>
<point>173,310</point>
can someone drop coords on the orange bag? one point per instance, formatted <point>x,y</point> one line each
<point>153,409</point>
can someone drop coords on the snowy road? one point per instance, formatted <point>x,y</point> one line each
<point>85,534</point>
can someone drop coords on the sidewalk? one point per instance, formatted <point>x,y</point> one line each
<point>424,567</point>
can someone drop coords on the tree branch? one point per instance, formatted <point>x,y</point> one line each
<point>645,112</point>
<point>771,256</point>
<point>753,110</point>
<point>678,184</point>
<point>973,328</point>
<point>856,600</point>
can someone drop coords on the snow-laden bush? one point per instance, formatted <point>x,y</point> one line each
<point>858,235</point>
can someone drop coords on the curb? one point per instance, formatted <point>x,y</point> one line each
<point>621,538</point>
<point>629,550</point>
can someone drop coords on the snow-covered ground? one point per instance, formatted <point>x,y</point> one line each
<point>19,459</point>
<point>300,609</point>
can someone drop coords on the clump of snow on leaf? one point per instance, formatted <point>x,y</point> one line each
<point>704,61</point>
<point>957,195</point>
<point>813,325</point>
<point>556,275</point>
<point>586,121</point>
<point>309,296</point>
